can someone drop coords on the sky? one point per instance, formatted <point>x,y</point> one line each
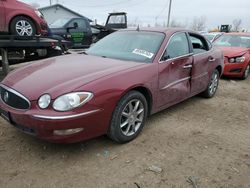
<point>146,12</point>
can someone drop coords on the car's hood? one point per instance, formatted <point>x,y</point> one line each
<point>22,4</point>
<point>63,74</point>
<point>233,51</point>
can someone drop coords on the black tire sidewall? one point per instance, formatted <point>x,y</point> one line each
<point>244,77</point>
<point>115,132</point>
<point>207,93</point>
<point>218,76</point>
<point>18,18</point>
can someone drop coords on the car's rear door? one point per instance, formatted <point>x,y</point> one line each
<point>2,16</point>
<point>202,57</point>
<point>175,71</point>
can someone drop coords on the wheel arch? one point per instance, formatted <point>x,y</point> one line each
<point>219,68</point>
<point>146,93</point>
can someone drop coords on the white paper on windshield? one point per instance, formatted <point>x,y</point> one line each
<point>143,53</point>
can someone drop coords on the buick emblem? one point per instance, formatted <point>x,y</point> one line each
<point>6,96</point>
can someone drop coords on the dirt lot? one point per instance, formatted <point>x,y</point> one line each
<point>207,141</point>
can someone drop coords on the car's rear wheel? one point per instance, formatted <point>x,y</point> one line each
<point>22,26</point>
<point>128,117</point>
<point>213,85</point>
<point>246,72</point>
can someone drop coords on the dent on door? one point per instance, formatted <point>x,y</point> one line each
<point>174,80</point>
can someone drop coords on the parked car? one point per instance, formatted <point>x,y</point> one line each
<point>17,18</point>
<point>236,48</point>
<point>212,36</point>
<point>113,87</point>
<point>81,34</point>
<point>75,30</point>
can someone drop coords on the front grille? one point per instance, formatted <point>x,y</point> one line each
<point>13,98</point>
<point>236,70</point>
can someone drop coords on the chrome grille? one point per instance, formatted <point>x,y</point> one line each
<point>14,99</point>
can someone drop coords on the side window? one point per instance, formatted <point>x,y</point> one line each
<point>177,46</point>
<point>200,45</point>
<point>80,22</point>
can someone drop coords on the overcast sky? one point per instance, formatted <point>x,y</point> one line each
<point>217,12</point>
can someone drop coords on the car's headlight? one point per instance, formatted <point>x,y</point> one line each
<point>38,13</point>
<point>71,100</point>
<point>44,101</point>
<point>237,59</point>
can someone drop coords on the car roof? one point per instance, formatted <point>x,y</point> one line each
<point>161,29</point>
<point>239,34</point>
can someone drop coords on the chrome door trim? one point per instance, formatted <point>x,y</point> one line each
<point>176,82</point>
<point>200,75</point>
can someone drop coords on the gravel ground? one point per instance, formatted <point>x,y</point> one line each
<point>203,143</point>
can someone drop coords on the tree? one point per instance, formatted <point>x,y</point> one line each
<point>175,23</point>
<point>199,23</point>
<point>236,24</point>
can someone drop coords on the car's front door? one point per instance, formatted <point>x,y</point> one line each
<point>202,57</point>
<point>175,71</point>
<point>80,35</point>
<point>2,16</point>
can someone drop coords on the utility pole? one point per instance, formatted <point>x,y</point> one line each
<point>50,2</point>
<point>169,12</point>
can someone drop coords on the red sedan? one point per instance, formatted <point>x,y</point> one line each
<point>20,19</point>
<point>113,87</point>
<point>236,48</point>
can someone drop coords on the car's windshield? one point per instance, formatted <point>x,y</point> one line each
<point>138,46</point>
<point>233,40</point>
<point>209,36</point>
<point>59,23</point>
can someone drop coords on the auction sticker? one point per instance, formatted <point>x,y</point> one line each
<point>143,53</point>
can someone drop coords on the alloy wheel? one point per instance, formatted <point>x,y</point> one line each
<point>132,117</point>
<point>214,83</point>
<point>24,28</point>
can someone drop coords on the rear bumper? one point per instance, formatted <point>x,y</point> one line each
<point>42,28</point>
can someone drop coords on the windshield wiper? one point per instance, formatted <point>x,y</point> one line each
<point>83,52</point>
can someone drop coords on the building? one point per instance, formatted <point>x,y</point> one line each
<point>57,11</point>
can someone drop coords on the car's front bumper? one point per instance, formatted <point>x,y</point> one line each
<point>234,69</point>
<point>46,125</point>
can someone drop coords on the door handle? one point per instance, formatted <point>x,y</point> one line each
<point>211,59</point>
<point>187,66</point>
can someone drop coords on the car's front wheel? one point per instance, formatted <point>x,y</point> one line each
<point>246,72</point>
<point>128,117</point>
<point>213,85</point>
<point>22,26</point>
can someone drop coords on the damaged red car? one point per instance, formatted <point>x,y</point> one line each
<point>113,87</point>
<point>236,48</point>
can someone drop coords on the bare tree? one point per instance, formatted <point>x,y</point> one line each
<point>199,23</point>
<point>175,23</point>
<point>236,24</point>
<point>35,5</point>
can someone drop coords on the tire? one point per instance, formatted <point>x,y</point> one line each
<point>246,73</point>
<point>22,26</point>
<point>213,85</point>
<point>129,117</point>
